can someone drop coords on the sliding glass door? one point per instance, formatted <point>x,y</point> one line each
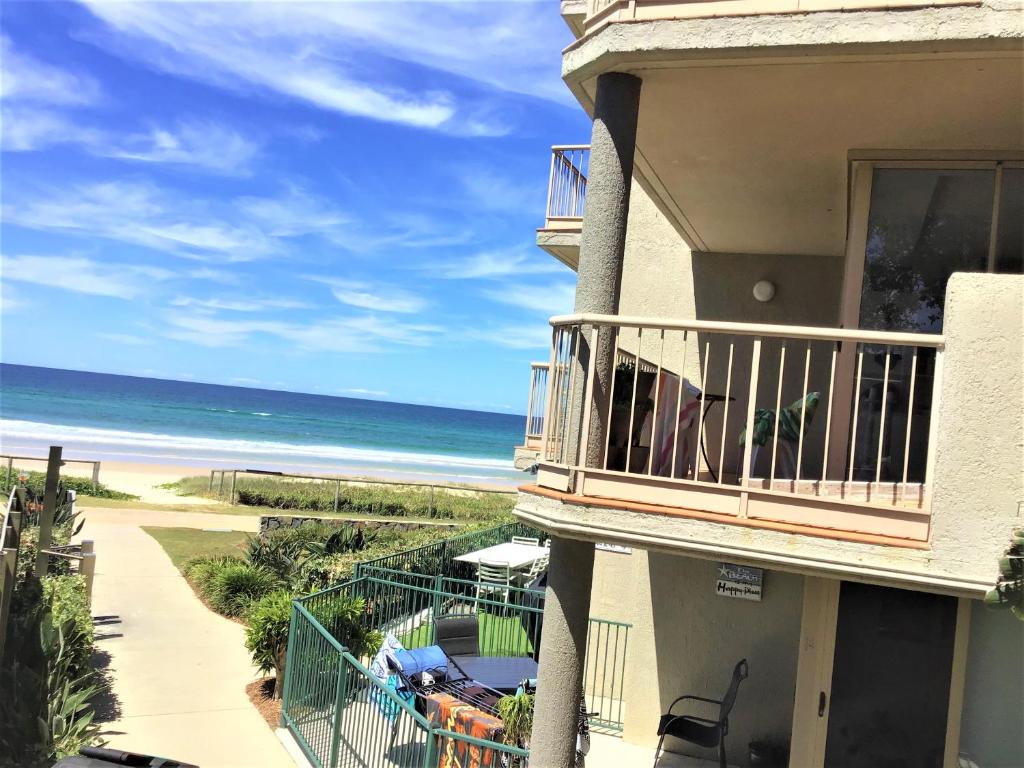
<point>923,223</point>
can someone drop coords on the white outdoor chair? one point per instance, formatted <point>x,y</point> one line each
<point>526,540</point>
<point>536,569</point>
<point>491,578</point>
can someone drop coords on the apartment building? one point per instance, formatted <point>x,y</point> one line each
<point>792,389</point>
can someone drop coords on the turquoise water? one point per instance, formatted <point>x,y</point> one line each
<point>106,417</point>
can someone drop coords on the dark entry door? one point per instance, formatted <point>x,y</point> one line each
<point>890,678</point>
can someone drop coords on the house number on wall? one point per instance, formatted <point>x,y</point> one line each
<point>739,581</point>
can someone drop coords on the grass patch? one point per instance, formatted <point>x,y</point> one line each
<point>499,636</point>
<point>356,498</point>
<point>184,544</point>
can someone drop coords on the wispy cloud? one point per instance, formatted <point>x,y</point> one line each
<point>364,392</point>
<point>82,275</point>
<point>362,333</point>
<point>204,144</point>
<point>524,336</point>
<point>510,262</point>
<point>143,214</point>
<point>342,56</point>
<point>373,295</point>
<point>492,191</point>
<point>239,305</point>
<point>27,79</point>
<point>553,299</point>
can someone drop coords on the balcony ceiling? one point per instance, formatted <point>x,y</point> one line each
<point>753,158</point>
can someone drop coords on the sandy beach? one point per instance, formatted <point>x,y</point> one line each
<point>138,479</point>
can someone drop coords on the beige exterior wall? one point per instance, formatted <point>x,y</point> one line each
<point>991,732</point>
<point>686,640</point>
<point>979,452</point>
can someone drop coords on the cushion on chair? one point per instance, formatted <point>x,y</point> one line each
<point>691,730</point>
<point>458,634</point>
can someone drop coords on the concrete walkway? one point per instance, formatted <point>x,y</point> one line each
<point>179,670</point>
<point>167,519</point>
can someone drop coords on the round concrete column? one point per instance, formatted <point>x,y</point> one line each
<point>603,241</point>
<point>563,648</point>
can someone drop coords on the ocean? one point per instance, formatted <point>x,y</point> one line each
<point>101,416</point>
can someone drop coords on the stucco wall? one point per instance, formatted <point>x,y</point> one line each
<point>991,733</point>
<point>686,640</point>
<point>979,451</point>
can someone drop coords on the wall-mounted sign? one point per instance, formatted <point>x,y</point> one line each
<point>739,581</point>
<point>615,548</point>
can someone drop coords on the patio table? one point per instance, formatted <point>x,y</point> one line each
<point>516,556</point>
<point>503,673</point>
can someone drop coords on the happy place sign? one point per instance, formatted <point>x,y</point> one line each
<point>739,581</point>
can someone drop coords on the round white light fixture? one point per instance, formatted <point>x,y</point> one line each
<point>764,290</point>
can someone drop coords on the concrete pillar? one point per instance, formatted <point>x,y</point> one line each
<point>603,240</point>
<point>563,649</point>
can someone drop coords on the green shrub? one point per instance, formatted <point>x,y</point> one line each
<point>201,571</point>
<point>266,637</point>
<point>343,617</point>
<point>36,481</point>
<point>68,602</point>
<point>354,498</point>
<point>45,710</point>
<point>235,585</point>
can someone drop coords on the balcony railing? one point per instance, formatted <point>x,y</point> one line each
<point>810,426</point>
<point>567,185</point>
<point>535,406</point>
<point>600,12</point>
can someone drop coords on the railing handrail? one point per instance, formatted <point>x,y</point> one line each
<point>543,365</point>
<point>568,147</point>
<point>894,338</point>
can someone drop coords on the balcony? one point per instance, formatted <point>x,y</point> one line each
<point>527,454</point>
<point>567,192</point>
<point>601,12</point>
<point>841,421</point>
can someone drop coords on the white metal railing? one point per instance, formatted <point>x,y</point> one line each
<point>567,184</point>
<point>535,404</point>
<point>820,411</point>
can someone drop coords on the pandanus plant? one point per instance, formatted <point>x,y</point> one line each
<point>1008,593</point>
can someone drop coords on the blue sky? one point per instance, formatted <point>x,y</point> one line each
<point>337,198</point>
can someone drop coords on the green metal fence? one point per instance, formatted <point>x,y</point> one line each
<point>406,604</point>
<point>342,716</point>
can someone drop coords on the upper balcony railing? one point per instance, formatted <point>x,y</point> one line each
<point>600,12</point>
<point>821,427</point>
<point>567,186</point>
<point>535,406</point>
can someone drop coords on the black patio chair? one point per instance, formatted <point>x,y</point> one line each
<point>701,730</point>
<point>458,634</point>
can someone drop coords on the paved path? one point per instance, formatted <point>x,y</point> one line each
<point>179,670</point>
<point>166,519</point>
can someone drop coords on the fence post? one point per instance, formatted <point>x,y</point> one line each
<point>95,475</point>
<point>339,710</point>
<point>87,568</point>
<point>220,488</point>
<point>210,489</point>
<point>430,512</point>
<point>10,467</point>
<point>337,494</point>
<point>231,493</point>
<point>285,684</point>
<point>53,463</point>
<point>438,587</point>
